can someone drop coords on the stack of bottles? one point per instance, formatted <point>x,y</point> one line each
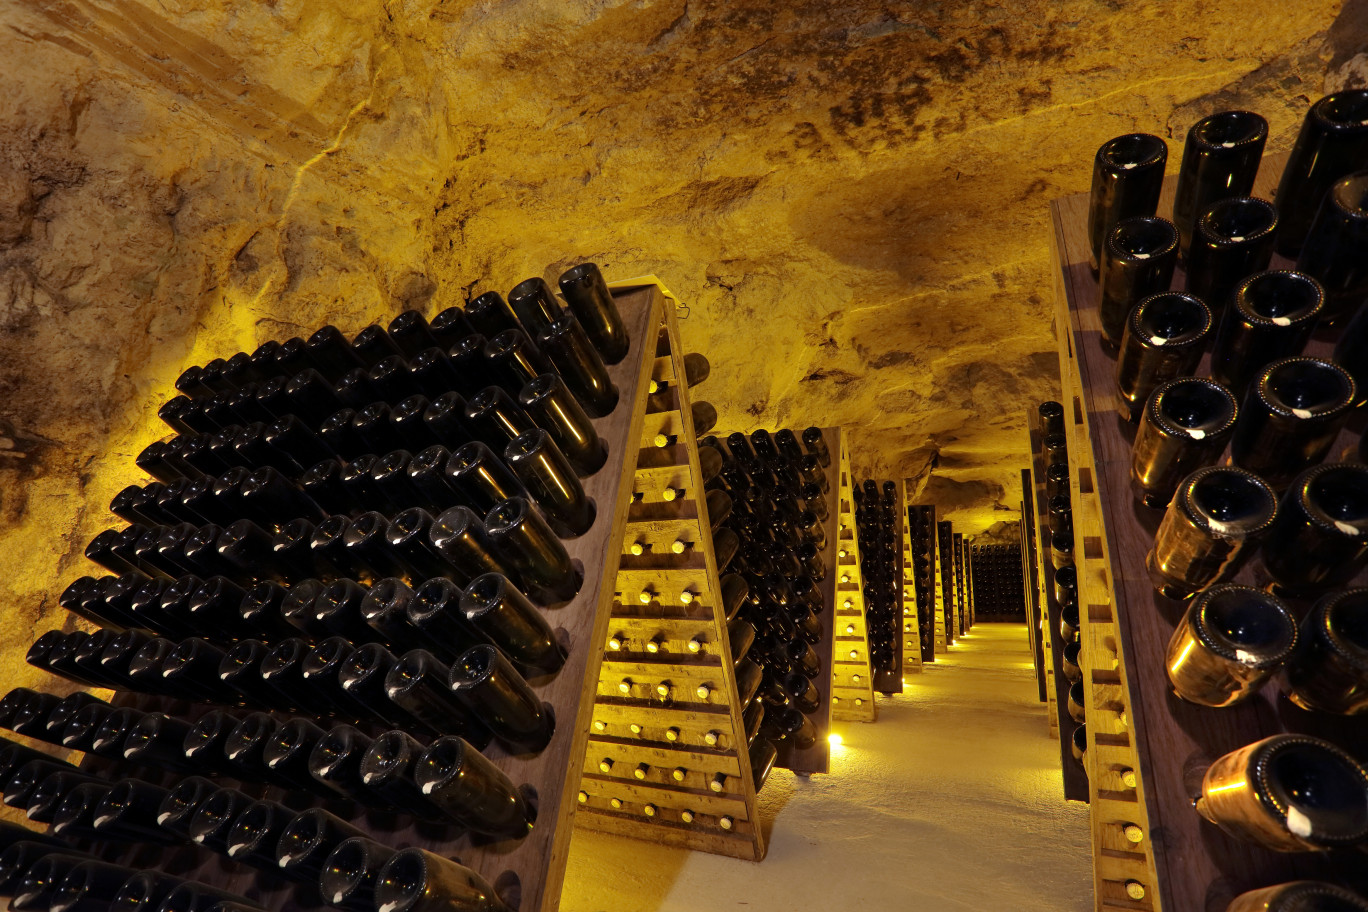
<point>997,582</point>
<point>876,534</point>
<point>921,526</point>
<point>945,548</point>
<point>1244,461</point>
<point>346,557</point>
<point>769,540</point>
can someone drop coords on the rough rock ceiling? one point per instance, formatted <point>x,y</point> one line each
<point>849,198</point>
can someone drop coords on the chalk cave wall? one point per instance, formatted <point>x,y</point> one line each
<point>849,200</point>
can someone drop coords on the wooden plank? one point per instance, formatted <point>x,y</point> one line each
<point>1197,865</point>
<point>911,628</point>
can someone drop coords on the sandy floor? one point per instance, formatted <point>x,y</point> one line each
<point>950,802</point>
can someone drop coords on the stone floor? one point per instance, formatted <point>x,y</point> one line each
<point>951,802</point>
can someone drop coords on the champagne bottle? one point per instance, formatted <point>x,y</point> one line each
<point>522,536</point>
<point>1164,337</point>
<point>1288,793</point>
<point>550,404</point>
<point>513,361</point>
<point>1220,160</point>
<point>490,314</point>
<point>1307,895</point>
<point>591,302</point>
<point>464,785</point>
<point>1185,425</point>
<point>253,834</point>
<point>1337,246</point>
<point>495,693</point>
<point>1138,257</point>
<point>1291,416</point>
<point>1320,538</point>
<point>418,684</point>
<point>1329,672</point>
<point>308,840</point>
<point>1234,239</point>
<point>494,606</point>
<point>1128,173</point>
<point>570,350</point>
<point>349,875</point>
<point>387,770</point>
<point>535,304</point>
<point>1272,316</point>
<point>1217,516</point>
<point>1230,641</point>
<point>1333,142</point>
<point>415,880</point>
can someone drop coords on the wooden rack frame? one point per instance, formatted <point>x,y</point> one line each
<point>527,873</point>
<point>961,586</point>
<point>930,619</point>
<point>911,626</point>
<point>945,545</point>
<point>1187,863</point>
<point>1030,579</point>
<point>852,686</point>
<point>667,759</point>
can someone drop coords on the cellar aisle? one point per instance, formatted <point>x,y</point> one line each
<point>951,802</point>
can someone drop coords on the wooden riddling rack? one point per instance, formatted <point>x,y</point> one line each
<point>914,638</point>
<point>888,681</point>
<point>963,613</point>
<point>817,759</point>
<point>673,767</point>
<point>1061,724</point>
<point>922,544</point>
<point>528,873</point>
<point>1128,625</point>
<point>1030,580</point>
<point>945,545</point>
<point>852,691</point>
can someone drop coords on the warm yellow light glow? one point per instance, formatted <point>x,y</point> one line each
<point>834,739</point>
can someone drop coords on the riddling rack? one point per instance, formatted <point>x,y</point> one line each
<point>913,636</point>
<point>1030,582</point>
<point>879,532</point>
<point>921,525</point>
<point>667,758</point>
<point>852,690</point>
<point>1061,725</point>
<point>963,613</point>
<point>526,873</point>
<point>945,546</point>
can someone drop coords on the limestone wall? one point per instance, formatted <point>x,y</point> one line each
<point>848,198</point>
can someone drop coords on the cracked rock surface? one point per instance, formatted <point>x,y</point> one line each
<point>849,199</point>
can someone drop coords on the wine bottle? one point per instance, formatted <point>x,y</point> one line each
<point>1272,316</point>
<point>435,616</point>
<point>1164,337</point>
<point>1229,642</point>
<point>523,538</point>
<point>418,684</point>
<point>1128,173</point>
<point>549,477</point>
<point>535,304</point>
<point>349,875</point>
<point>214,817</point>
<point>490,314</point>
<point>363,676</point>
<point>566,343</point>
<point>1290,417</point>
<point>495,418</point>
<point>1185,425</point>
<point>1234,239</point>
<point>551,405</point>
<point>254,833</point>
<point>1138,258</point>
<point>336,760</point>
<point>512,361</point>
<point>1337,246</point>
<point>1333,142</point>
<point>465,786</point>
<point>1288,793</point>
<point>287,754</point>
<point>1216,517</point>
<point>1320,538</point>
<point>415,880</point>
<point>410,332</point>
<point>496,694</point>
<point>492,605</point>
<point>1310,895</point>
<point>37,887</point>
<point>591,302</point>
<point>387,770</point>
<point>1329,672</point>
<point>1220,160</point>
<point>308,840</point>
